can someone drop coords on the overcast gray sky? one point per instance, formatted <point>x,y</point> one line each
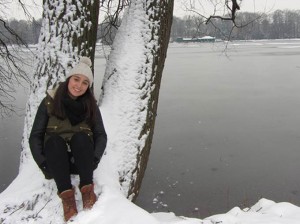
<point>270,4</point>
<point>247,5</point>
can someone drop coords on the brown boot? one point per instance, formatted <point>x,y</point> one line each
<point>88,196</point>
<point>69,204</point>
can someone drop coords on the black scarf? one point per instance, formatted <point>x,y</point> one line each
<point>74,109</point>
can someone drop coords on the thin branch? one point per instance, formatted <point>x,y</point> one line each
<point>25,10</point>
<point>232,9</point>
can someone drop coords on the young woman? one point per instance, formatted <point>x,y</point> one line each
<point>68,137</point>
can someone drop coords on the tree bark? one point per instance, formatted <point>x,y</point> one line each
<point>163,15</point>
<point>153,36</point>
<point>68,31</point>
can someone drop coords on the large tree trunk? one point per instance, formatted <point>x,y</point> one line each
<point>134,104</point>
<point>68,31</point>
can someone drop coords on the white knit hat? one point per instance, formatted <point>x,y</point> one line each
<point>83,68</point>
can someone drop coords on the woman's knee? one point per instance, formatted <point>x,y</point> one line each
<point>55,142</point>
<point>80,138</point>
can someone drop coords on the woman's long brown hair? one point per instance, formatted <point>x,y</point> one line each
<point>87,98</point>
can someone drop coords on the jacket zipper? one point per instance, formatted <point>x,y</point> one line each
<point>53,127</point>
<point>83,128</point>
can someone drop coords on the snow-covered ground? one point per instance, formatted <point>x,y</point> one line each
<point>113,208</point>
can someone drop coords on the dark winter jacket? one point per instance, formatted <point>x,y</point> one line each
<point>64,128</point>
<point>39,134</point>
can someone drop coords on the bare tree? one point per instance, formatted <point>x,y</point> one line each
<point>224,10</point>
<point>12,71</point>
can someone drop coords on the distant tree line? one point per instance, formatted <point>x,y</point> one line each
<point>29,31</point>
<point>277,25</point>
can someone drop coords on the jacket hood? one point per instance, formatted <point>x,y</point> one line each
<point>51,92</point>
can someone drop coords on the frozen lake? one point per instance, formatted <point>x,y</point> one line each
<point>227,131</point>
<point>228,128</point>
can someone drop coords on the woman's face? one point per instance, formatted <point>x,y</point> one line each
<point>78,84</point>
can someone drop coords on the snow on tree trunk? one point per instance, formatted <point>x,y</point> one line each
<point>68,31</point>
<point>131,87</point>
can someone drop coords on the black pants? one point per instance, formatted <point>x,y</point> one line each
<point>60,164</point>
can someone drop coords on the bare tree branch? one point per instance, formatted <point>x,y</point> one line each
<point>12,71</point>
<point>24,8</point>
<point>232,12</point>
<point>112,11</point>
